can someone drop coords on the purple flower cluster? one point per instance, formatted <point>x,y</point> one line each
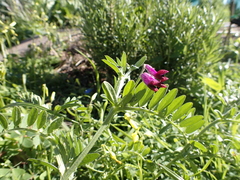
<point>154,79</point>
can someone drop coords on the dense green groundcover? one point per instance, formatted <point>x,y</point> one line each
<point>56,126</point>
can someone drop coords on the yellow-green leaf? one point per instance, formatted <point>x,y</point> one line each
<point>190,121</point>
<point>200,146</point>
<point>148,94</point>
<point>212,84</point>
<point>3,121</point>
<point>157,98</point>
<point>16,116</point>
<point>167,100</point>
<point>128,87</point>
<point>182,110</point>
<point>176,103</point>
<point>42,118</point>
<point>32,116</point>
<point>109,92</point>
<point>194,126</point>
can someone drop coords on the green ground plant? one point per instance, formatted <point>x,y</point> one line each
<point>221,108</point>
<point>161,134</point>
<point>116,138</point>
<point>39,17</point>
<point>123,130</point>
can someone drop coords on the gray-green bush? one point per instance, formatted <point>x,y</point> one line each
<point>173,34</point>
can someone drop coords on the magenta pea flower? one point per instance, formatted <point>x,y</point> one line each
<point>157,74</point>
<point>154,79</point>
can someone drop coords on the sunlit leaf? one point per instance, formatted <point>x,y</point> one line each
<point>176,103</point>
<point>146,151</point>
<point>42,118</point>
<point>124,61</point>
<point>170,172</point>
<point>212,84</point>
<point>148,94</point>
<point>4,172</point>
<point>111,63</point>
<point>55,124</point>
<point>200,146</point>
<point>194,126</point>
<point>109,92</point>
<point>16,116</point>
<point>167,100</point>
<point>140,62</point>
<point>157,98</point>
<point>27,142</point>
<point>32,116</point>
<point>3,121</point>
<point>43,163</point>
<point>182,111</point>
<point>191,112</point>
<point>190,121</point>
<point>36,140</point>
<point>128,88</point>
<point>17,172</point>
<point>89,158</point>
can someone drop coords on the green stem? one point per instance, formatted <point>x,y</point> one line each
<point>138,109</point>
<point>119,86</point>
<point>213,123</point>
<point>181,154</point>
<point>79,159</point>
<point>94,69</point>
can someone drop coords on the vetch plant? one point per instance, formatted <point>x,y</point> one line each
<point>131,96</point>
<point>143,133</point>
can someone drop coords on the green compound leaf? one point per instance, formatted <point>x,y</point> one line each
<point>124,61</point>
<point>157,97</point>
<point>109,92</point>
<point>182,111</point>
<point>89,158</point>
<point>37,161</point>
<point>27,142</point>
<point>195,126</point>
<point>176,103</point>
<point>3,121</point>
<point>199,146</point>
<point>212,84</point>
<point>128,88</point>
<point>191,112</point>
<point>32,116</point>
<point>170,172</point>
<point>146,150</point>
<point>138,93</point>
<point>190,121</point>
<point>148,94</point>
<point>111,63</point>
<point>126,99</point>
<point>167,100</point>
<point>55,124</point>
<point>16,116</point>
<point>140,62</point>
<point>42,118</point>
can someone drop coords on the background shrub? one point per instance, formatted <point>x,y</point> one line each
<point>173,34</point>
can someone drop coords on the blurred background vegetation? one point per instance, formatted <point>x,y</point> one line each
<point>179,35</point>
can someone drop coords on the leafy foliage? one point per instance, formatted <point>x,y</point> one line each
<point>174,35</point>
<point>123,130</point>
<point>150,118</point>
